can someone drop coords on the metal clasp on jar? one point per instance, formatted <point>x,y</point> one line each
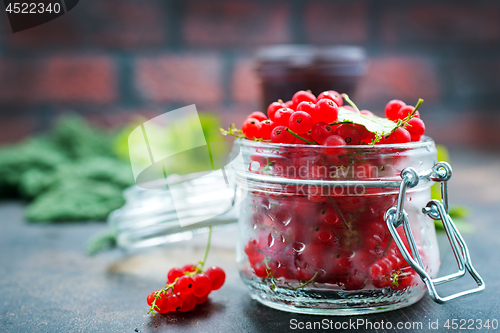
<point>437,210</point>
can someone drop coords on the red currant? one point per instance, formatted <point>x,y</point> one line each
<point>308,107</point>
<point>349,133</point>
<point>300,122</point>
<point>392,108</point>
<point>281,135</point>
<point>202,285</point>
<point>266,127</point>
<point>201,300</point>
<point>332,95</point>
<point>151,298</point>
<point>174,273</point>
<point>303,96</point>
<point>282,116</point>
<point>185,285</point>
<point>189,268</point>
<point>400,135</point>
<point>405,112</point>
<point>188,303</point>
<point>273,107</point>
<point>320,131</point>
<point>326,111</point>
<point>334,140</point>
<point>416,127</point>
<point>366,113</point>
<point>258,115</point>
<point>349,108</point>
<point>173,301</point>
<point>217,276</point>
<point>251,128</point>
<point>306,136</point>
<point>289,104</point>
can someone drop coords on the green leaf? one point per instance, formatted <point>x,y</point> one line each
<point>373,124</point>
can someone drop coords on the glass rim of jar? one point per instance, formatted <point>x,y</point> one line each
<point>424,142</point>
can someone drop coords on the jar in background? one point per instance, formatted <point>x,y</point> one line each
<point>310,248</point>
<point>286,69</point>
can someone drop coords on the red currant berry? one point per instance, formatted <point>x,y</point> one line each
<point>334,140</point>
<point>217,276</point>
<point>281,135</point>
<point>151,298</point>
<point>349,108</point>
<point>273,107</point>
<point>332,95</point>
<point>258,115</point>
<point>174,273</point>
<point>289,104</point>
<point>303,96</point>
<point>202,285</point>
<point>326,111</point>
<point>392,108</point>
<point>405,111</point>
<point>201,300</point>
<point>188,303</point>
<point>300,122</point>
<point>349,133</point>
<point>266,127</point>
<point>416,127</point>
<point>185,285</point>
<point>320,131</point>
<point>173,301</point>
<point>366,113</point>
<point>251,128</point>
<point>189,268</point>
<point>282,116</point>
<point>308,107</point>
<point>400,135</point>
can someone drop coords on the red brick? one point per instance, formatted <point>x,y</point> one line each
<point>212,23</point>
<point>398,77</point>
<point>58,79</point>
<point>245,83</point>
<point>336,22</point>
<point>126,24</point>
<point>177,78</point>
<point>428,22</point>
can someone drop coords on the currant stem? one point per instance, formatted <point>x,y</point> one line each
<point>348,100</point>
<point>207,248</point>
<point>299,137</point>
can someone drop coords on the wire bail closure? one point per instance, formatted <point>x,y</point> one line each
<point>437,210</point>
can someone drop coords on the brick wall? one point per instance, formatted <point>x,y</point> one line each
<point>111,60</point>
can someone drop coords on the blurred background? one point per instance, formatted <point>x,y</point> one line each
<point>112,60</point>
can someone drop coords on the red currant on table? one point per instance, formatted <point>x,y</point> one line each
<point>217,276</point>
<point>184,285</point>
<point>300,122</point>
<point>251,128</point>
<point>174,273</point>
<point>188,303</point>
<point>202,285</point>
<point>392,108</point>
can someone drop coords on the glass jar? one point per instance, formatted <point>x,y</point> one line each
<point>312,234</point>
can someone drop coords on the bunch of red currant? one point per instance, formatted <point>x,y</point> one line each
<point>307,119</point>
<point>185,288</point>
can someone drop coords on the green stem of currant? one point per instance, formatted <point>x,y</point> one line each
<point>299,137</point>
<point>207,248</point>
<point>348,100</point>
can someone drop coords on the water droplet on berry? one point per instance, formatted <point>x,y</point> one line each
<point>298,247</point>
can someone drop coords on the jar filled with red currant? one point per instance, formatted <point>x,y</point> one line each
<point>341,223</point>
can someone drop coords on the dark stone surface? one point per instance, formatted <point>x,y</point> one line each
<point>49,284</point>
